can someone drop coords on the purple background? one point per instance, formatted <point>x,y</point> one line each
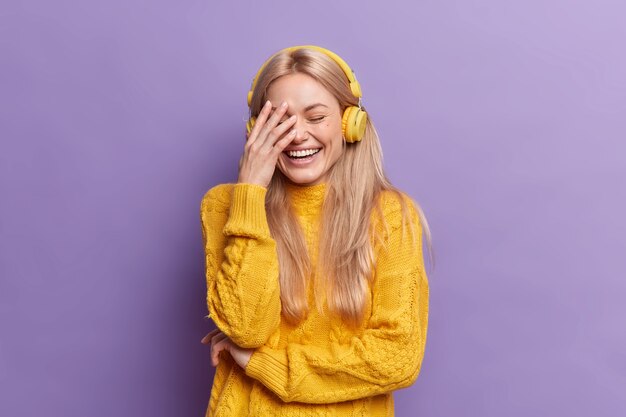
<point>506,121</point>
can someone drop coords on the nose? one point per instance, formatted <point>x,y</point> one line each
<point>301,130</point>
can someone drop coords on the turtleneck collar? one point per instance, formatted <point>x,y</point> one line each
<point>306,199</point>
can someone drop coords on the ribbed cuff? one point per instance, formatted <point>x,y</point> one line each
<point>269,366</point>
<point>247,215</point>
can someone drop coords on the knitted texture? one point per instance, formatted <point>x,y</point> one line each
<point>320,367</point>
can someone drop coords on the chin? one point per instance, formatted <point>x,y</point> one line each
<point>303,179</point>
<point>302,176</point>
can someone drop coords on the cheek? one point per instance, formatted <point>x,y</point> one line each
<point>330,130</point>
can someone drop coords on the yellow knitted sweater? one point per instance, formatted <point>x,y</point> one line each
<point>319,367</point>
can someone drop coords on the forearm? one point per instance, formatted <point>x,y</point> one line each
<point>383,356</point>
<point>243,294</point>
<point>370,365</point>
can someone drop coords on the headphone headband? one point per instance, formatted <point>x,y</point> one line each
<point>354,84</point>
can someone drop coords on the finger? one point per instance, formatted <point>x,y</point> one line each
<point>216,342</point>
<point>207,339</point>
<point>216,349</point>
<point>282,143</point>
<point>260,121</point>
<point>272,122</point>
<point>215,353</point>
<point>277,133</point>
<point>219,336</point>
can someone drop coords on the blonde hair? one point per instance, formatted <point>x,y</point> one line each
<point>354,184</point>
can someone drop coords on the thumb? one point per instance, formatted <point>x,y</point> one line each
<point>207,339</point>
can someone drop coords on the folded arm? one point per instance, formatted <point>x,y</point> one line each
<point>385,356</point>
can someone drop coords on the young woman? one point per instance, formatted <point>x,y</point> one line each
<point>314,267</point>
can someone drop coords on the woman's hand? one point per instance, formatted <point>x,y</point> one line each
<point>219,341</point>
<point>266,141</point>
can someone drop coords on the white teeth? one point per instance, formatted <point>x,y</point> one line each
<point>306,152</point>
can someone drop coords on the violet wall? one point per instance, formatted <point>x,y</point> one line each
<point>505,120</point>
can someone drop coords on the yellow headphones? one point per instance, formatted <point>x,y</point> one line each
<point>354,118</point>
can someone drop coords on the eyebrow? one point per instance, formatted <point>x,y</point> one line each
<point>312,106</point>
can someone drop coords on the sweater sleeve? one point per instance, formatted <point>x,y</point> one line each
<point>385,356</point>
<point>243,295</point>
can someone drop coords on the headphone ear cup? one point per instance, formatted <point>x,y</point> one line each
<point>250,124</point>
<point>353,124</point>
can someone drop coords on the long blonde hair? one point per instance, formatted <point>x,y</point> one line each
<point>354,184</point>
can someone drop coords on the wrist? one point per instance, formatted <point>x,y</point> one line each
<point>247,216</point>
<point>259,183</point>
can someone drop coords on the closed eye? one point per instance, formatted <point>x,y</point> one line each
<point>314,120</point>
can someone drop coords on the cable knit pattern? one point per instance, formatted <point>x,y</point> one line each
<point>319,367</point>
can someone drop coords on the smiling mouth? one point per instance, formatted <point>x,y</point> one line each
<point>302,154</point>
